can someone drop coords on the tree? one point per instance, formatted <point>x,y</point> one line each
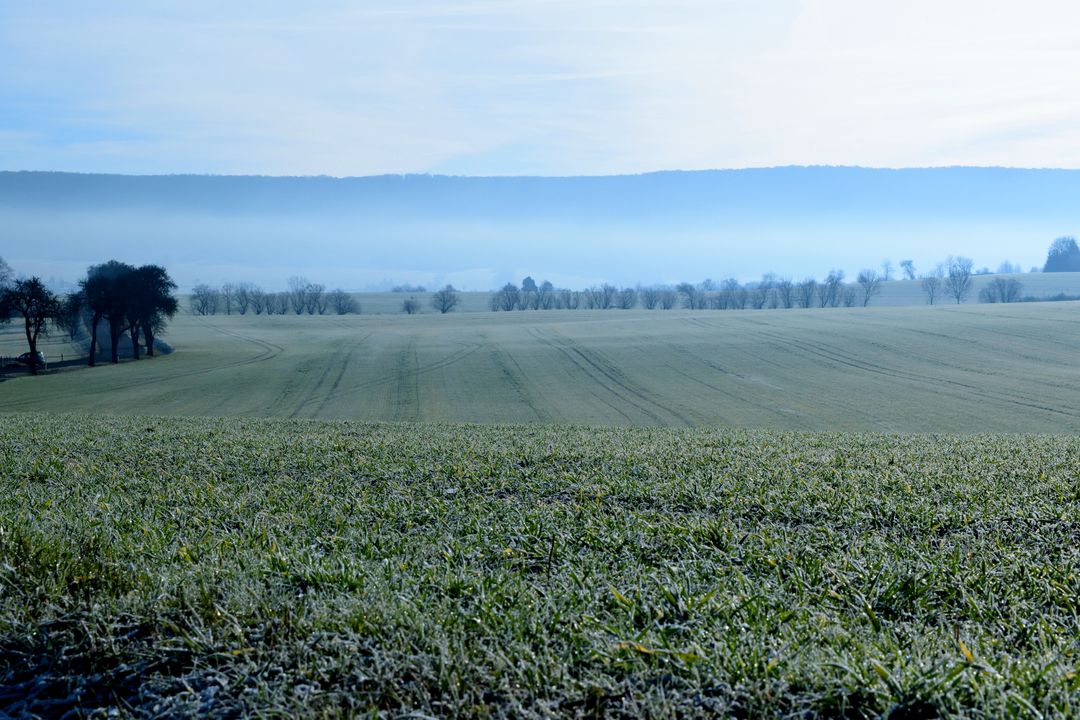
<point>228,296</point>
<point>931,284</point>
<point>1001,290</point>
<point>785,293</point>
<point>1064,256</point>
<point>529,294</point>
<point>243,297</point>
<point>568,299</point>
<point>6,273</point>
<point>805,292</point>
<point>205,299</point>
<point>694,298</point>
<point>258,299</point>
<point>445,300</point>
<point>151,303</point>
<point>830,291</point>
<point>410,306</point>
<point>37,305</point>
<point>668,299</point>
<point>627,298</point>
<point>762,293</point>
<point>507,298</point>
<point>870,282</point>
<point>908,266</point>
<point>958,280</point>
<point>298,289</point>
<point>104,298</point>
<point>341,302</point>
<point>886,270</point>
<point>545,295</point>
<point>733,296</point>
<point>315,299</point>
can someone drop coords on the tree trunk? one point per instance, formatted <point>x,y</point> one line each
<point>148,336</point>
<point>31,339</point>
<point>93,339</point>
<point>133,329</point>
<point>115,332</point>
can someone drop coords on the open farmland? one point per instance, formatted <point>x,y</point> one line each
<point>246,567</point>
<point>1010,368</point>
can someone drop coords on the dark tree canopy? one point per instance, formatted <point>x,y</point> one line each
<point>35,304</point>
<point>1064,256</point>
<point>133,300</point>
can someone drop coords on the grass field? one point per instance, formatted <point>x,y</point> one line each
<point>970,368</point>
<point>264,568</point>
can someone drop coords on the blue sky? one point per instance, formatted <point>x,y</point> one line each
<point>547,87</point>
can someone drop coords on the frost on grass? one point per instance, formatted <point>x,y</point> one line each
<point>193,567</point>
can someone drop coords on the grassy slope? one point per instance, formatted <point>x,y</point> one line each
<point>968,368</point>
<point>221,567</point>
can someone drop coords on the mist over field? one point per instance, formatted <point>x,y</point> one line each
<point>368,233</point>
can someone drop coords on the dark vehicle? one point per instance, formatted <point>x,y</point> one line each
<point>31,359</point>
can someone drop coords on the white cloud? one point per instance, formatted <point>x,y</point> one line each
<point>535,86</point>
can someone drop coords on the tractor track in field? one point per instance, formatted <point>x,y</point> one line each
<point>956,387</point>
<point>609,376</point>
<point>406,383</point>
<point>267,351</point>
<point>515,377</point>
<point>341,363</point>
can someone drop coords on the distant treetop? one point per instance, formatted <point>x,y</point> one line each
<point>1064,256</point>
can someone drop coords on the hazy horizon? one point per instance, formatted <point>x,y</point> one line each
<point>478,233</point>
<point>606,109</point>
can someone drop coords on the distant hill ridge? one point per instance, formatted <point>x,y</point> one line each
<point>994,191</point>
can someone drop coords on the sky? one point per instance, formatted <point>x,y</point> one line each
<point>535,87</point>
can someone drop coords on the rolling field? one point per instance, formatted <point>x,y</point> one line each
<point>969,368</point>
<point>253,568</point>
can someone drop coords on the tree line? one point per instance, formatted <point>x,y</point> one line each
<point>300,297</point>
<point>952,279</point>
<point>127,300</point>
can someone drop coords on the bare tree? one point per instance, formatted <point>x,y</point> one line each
<point>694,297</point>
<point>445,300</point>
<point>668,299</point>
<point>627,298</point>
<point>228,296</point>
<point>785,293</point>
<point>1001,290</point>
<point>851,295</point>
<point>870,282</point>
<point>886,270</point>
<point>650,297</point>
<point>762,293</point>
<point>315,299</point>
<point>908,266</point>
<point>545,295</point>
<point>958,280</point>
<point>733,296</point>
<point>931,284</point>
<point>602,297</point>
<point>341,302</point>
<point>205,299</point>
<point>243,297</point>
<point>508,298</point>
<point>297,291</point>
<point>410,306</point>
<point>568,299</point>
<point>805,292</point>
<point>829,291</point>
<point>258,300</point>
